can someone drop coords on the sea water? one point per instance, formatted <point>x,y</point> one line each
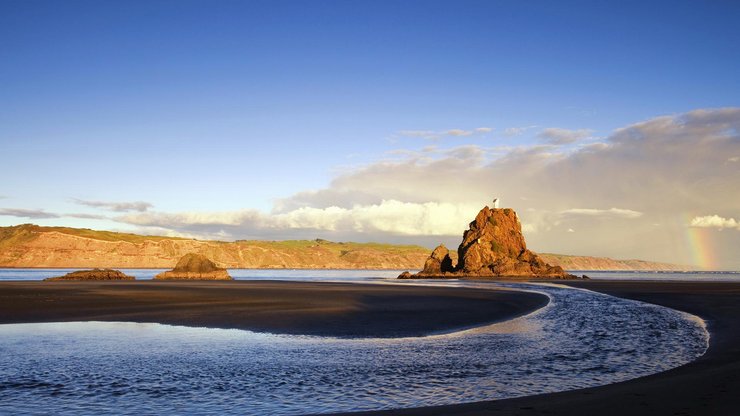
<point>580,339</point>
<point>373,275</point>
<point>237,274</point>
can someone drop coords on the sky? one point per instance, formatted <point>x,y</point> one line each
<point>612,128</point>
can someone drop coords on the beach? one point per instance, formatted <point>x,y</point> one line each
<point>304,308</point>
<point>707,386</point>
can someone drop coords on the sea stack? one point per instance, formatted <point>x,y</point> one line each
<point>492,247</point>
<point>95,274</point>
<point>195,267</point>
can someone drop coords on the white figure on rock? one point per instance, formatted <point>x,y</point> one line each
<point>495,202</point>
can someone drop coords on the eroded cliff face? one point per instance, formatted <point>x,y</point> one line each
<point>493,246</point>
<point>34,246</point>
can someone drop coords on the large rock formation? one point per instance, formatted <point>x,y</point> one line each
<point>95,274</point>
<point>493,246</point>
<point>195,267</point>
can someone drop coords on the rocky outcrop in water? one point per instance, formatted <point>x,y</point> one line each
<point>95,274</point>
<point>195,267</point>
<point>493,246</point>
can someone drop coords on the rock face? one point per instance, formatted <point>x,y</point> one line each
<point>493,246</point>
<point>195,267</point>
<point>439,262</point>
<point>95,274</point>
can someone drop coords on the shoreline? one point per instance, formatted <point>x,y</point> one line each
<point>227,268</point>
<point>574,271</point>
<point>706,386</point>
<point>273,306</point>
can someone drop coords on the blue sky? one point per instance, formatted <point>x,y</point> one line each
<point>233,106</point>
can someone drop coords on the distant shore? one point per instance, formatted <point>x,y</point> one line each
<point>326,309</point>
<point>707,386</point>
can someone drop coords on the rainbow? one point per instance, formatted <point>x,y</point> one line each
<point>700,244</point>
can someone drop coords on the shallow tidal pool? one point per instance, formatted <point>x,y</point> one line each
<point>581,339</point>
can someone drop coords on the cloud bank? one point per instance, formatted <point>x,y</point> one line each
<point>629,194</point>
<point>390,217</point>
<point>715,221</point>
<point>558,136</point>
<point>35,214</point>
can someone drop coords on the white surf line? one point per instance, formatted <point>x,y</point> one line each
<point>688,316</point>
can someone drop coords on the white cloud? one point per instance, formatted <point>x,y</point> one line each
<point>388,216</point>
<point>115,206</point>
<point>558,136</point>
<point>734,159</point>
<point>28,213</point>
<point>459,132</point>
<point>570,230</point>
<point>528,228</point>
<point>86,216</point>
<point>603,213</point>
<point>424,134</point>
<point>432,134</point>
<point>715,221</point>
<point>516,131</point>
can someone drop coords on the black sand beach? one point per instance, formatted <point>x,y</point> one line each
<point>707,386</point>
<point>329,309</point>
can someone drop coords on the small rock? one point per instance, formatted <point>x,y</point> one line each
<point>195,267</point>
<point>95,274</point>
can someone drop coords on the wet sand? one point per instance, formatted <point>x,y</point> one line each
<point>707,386</point>
<point>327,309</point>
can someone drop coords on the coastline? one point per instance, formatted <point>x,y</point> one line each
<point>284,307</point>
<point>706,386</point>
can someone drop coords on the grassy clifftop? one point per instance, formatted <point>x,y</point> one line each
<point>29,231</point>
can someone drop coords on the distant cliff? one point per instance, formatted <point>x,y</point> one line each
<point>35,246</point>
<point>605,263</point>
